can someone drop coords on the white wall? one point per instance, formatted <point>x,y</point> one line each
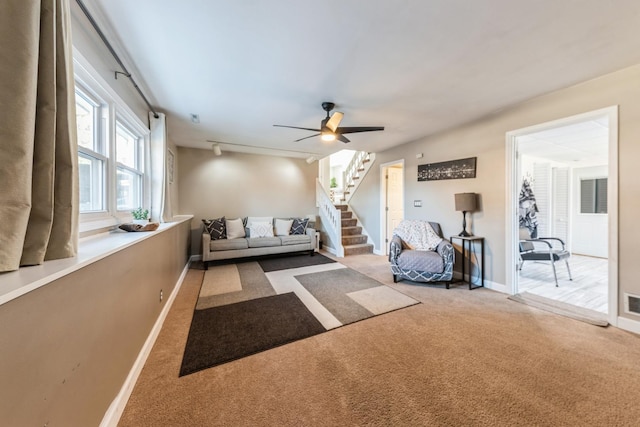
<point>588,231</point>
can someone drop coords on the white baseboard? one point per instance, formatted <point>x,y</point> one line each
<point>378,252</point>
<point>629,325</point>
<point>332,251</point>
<point>113,414</point>
<point>494,286</point>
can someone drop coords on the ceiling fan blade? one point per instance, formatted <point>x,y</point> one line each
<point>306,137</point>
<point>342,138</point>
<point>296,127</point>
<point>334,121</point>
<point>357,129</point>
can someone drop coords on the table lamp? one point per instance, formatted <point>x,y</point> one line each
<point>465,202</point>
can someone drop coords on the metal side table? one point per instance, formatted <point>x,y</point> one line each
<point>467,244</point>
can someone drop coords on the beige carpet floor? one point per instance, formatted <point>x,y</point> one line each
<point>462,358</point>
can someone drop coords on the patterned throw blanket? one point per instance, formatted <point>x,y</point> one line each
<point>417,235</point>
<point>528,209</point>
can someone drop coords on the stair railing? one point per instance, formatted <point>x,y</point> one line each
<point>331,218</point>
<point>354,172</point>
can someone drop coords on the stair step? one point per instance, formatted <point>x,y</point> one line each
<point>346,214</point>
<point>365,248</point>
<point>361,170</point>
<point>342,207</point>
<point>356,239</point>
<point>350,231</point>
<point>366,160</point>
<point>349,222</point>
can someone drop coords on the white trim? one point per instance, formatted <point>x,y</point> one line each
<point>628,325</point>
<point>383,218</point>
<point>332,251</point>
<point>90,249</point>
<point>488,284</point>
<point>511,211</point>
<point>115,410</point>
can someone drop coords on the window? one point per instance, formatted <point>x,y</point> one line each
<point>129,169</point>
<point>91,158</point>
<point>593,196</point>
<point>113,145</point>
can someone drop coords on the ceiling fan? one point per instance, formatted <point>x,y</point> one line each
<point>330,129</point>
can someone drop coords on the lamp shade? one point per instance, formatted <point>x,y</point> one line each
<point>466,202</point>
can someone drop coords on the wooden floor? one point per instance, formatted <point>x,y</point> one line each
<point>588,289</point>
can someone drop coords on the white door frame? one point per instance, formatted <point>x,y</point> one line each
<point>384,246</point>
<point>511,210</point>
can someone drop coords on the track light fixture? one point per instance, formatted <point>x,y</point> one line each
<point>216,149</point>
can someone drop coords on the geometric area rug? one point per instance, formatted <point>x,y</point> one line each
<point>253,306</point>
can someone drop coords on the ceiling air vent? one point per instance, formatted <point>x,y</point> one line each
<point>631,304</point>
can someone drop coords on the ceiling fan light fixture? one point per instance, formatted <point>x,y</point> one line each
<point>328,136</point>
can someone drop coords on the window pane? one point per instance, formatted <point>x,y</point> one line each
<point>129,190</point>
<point>91,175</point>
<point>593,196</point>
<point>126,147</point>
<point>601,195</point>
<point>86,120</point>
<point>587,195</point>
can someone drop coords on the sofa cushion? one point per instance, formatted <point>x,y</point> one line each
<point>235,228</point>
<point>216,228</point>
<point>251,219</point>
<point>261,242</point>
<point>428,261</point>
<point>228,244</point>
<point>295,239</point>
<point>299,225</point>
<point>261,229</point>
<point>282,227</point>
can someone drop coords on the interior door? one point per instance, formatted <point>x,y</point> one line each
<point>395,202</point>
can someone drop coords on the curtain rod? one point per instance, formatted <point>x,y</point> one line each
<point>124,71</point>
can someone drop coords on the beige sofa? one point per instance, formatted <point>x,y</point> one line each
<point>214,250</point>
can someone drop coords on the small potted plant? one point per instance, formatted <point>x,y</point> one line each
<point>140,216</point>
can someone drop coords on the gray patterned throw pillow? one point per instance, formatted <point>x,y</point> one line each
<point>299,225</point>
<point>216,228</point>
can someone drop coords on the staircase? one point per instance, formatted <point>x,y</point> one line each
<point>353,241</point>
<point>357,168</point>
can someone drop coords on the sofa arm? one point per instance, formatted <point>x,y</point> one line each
<point>206,246</point>
<point>395,247</point>
<point>445,249</point>
<point>311,232</point>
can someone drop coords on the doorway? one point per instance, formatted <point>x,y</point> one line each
<point>392,200</point>
<point>569,170</point>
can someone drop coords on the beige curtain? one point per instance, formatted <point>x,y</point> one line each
<point>38,149</point>
<point>160,182</point>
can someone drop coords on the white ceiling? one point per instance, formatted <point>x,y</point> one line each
<point>415,67</point>
<point>581,144</point>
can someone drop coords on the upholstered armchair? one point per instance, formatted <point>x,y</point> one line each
<point>418,252</point>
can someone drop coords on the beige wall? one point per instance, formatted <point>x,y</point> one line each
<point>486,140</point>
<point>67,347</point>
<point>238,185</point>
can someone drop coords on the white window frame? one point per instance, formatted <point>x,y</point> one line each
<point>100,152</point>
<point>113,109</point>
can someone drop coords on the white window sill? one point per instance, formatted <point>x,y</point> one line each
<point>90,249</point>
